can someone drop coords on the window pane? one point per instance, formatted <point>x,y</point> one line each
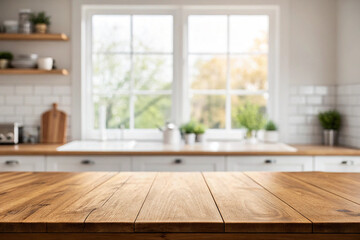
<point>238,101</point>
<point>111,33</point>
<point>209,110</point>
<point>153,72</point>
<point>153,33</point>
<point>249,72</point>
<point>117,110</point>
<point>207,72</point>
<point>152,111</point>
<point>249,33</point>
<point>207,34</point>
<point>111,72</point>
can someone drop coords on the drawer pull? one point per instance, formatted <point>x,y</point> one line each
<point>269,161</point>
<point>178,161</point>
<point>346,162</point>
<point>12,162</point>
<point>87,162</point>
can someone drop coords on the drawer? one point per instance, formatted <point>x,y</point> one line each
<point>22,163</point>
<point>337,164</point>
<point>87,163</point>
<point>270,163</point>
<point>178,163</point>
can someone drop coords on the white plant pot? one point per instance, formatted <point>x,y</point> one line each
<point>45,63</point>
<point>271,136</point>
<point>200,138</point>
<point>189,138</point>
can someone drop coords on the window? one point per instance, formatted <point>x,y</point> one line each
<point>146,67</point>
<point>227,62</point>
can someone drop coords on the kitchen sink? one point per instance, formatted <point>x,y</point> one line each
<point>94,146</point>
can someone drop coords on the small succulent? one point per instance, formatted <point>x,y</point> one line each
<point>270,126</point>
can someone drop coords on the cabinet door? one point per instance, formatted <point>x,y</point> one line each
<point>178,163</point>
<point>87,163</point>
<point>270,163</point>
<point>22,163</point>
<point>337,164</point>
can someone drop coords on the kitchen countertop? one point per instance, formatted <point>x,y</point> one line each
<point>215,148</point>
<point>110,205</point>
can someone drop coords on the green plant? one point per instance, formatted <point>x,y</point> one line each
<point>250,117</point>
<point>189,127</point>
<point>40,18</point>
<point>270,126</point>
<point>330,119</point>
<point>199,128</point>
<point>6,55</point>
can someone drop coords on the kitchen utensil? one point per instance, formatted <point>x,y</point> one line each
<point>45,63</point>
<point>171,134</point>
<point>53,126</point>
<point>25,61</point>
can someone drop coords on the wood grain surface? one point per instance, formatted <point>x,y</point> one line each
<point>247,207</point>
<point>139,205</point>
<point>179,202</point>
<point>328,212</point>
<point>53,126</point>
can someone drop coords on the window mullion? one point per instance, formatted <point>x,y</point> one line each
<point>132,96</point>
<point>228,96</point>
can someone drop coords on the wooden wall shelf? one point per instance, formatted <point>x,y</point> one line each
<point>34,36</point>
<point>14,71</point>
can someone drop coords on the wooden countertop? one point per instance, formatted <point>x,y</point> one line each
<point>159,149</point>
<point>109,205</point>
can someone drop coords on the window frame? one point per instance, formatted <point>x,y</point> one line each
<point>180,93</point>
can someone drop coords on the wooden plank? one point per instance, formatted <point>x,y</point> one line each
<point>34,36</point>
<point>179,202</point>
<point>328,212</point>
<point>119,212</point>
<point>27,208</point>
<point>346,185</point>
<point>176,236</point>
<point>31,71</point>
<point>247,207</point>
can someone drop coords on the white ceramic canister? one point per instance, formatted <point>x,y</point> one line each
<point>45,63</point>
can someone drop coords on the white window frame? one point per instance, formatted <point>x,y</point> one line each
<point>180,86</point>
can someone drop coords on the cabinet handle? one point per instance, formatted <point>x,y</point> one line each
<point>87,162</point>
<point>346,162</point>
<point>269,161</point>
<point>12,162</point>
<point>178,161</point>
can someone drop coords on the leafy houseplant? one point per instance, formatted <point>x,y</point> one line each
<point>331,123</point>
<point>5,58</point>
<point>40,21</point>
<point>271,133</point>
<point>188,129</point>
<point>251,118</point>
<point>199,131</point>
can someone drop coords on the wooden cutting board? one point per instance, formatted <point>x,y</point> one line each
<point>53,126</point>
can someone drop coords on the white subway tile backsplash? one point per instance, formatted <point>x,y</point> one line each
<point>26,90</point>
<point>7,90</point>
<point>62,90</point>
<point>321,90</point>
<point>2,99</point>
<point>51,99</point>
<point>65,100</point>
<point>32,100</point>
<point>306,90</point>
<point>297,100</point>
<point>7,110</point>
<point>23,110</point>
<point>14,100</point>
<point>315,100</point>
<point>43,90</point>
<point>38,110</point>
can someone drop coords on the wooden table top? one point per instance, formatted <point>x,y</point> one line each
<point>229,149</point>
<point>211,202</point>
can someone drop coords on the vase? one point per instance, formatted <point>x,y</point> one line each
<point>329,137</point>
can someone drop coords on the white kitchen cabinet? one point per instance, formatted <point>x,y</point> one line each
<point>22,163</point>
<point>178,163</point>
<point>87,163</point>
<point>337,163</point>
<point>270,163</point>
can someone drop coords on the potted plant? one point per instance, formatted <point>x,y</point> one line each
<point>251,118</point>
<point>5,58</point>
<point>41,22</point>
<point>331,122</point>
<point>271,133</point>
<point>200,132</point>
<point>188,130</point>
